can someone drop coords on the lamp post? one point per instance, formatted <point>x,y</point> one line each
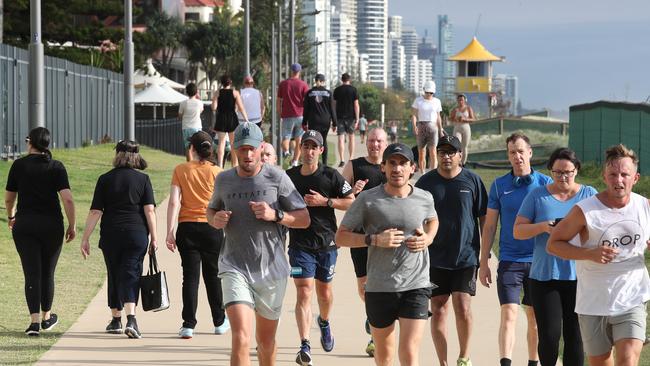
<point>247,37</point>
<point>36,89</point>
<point>129,112</point>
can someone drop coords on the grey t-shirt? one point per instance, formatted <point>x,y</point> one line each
<point>254,248</point>
<point>398,269</point>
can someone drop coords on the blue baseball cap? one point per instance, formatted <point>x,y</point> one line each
<point>296,67</point>
<point>248,133</point>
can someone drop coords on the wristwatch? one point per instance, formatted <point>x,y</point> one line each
<point>279,215</point>
<point>368,240</point>
<point>330,203</point>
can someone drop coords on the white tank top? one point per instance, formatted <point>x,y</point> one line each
<point>251,99</point>
<point>616,287</point>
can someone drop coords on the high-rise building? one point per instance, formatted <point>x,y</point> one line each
<point>363,67</point>
<point>444,70</point>
<point>318,30</point>
<point>426,49</point>
<point>348,29</point>
<point>395,25</point>
<point>347,56</point>
<point>396,61</point>
<point>410,42</point>
<point>505,86</point>
<point>372,35</point>
<point>417,73</point>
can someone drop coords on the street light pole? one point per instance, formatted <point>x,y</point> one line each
<point>129,112</point>
<point>274,95</point>
<point>280,40</point>
<point>292,39</point>
<point>247,37</point>
<point>36,69</point>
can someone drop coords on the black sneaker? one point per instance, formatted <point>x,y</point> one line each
<point>131,329</point>
<point>342,164</point>
<point>50,323</point>
<point>33,330</point>
<point>115,326</point>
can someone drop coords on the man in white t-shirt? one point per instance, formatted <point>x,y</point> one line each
<point>606,234</point>
<point>253,100</point>
<point>427,125</point>
<point>189,112</point>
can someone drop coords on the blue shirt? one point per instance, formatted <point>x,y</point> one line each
<point>506,198</point>
<point>538,206</point>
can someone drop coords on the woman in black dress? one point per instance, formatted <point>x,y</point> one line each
<point>37,224</point>
<point>224,103</point>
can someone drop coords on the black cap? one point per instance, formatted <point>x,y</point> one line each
<point>319,77</point>
<point>450,140</point>
<point>314,136</point>
<point>398,149</point>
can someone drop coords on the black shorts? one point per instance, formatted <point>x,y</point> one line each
<point>360,260</point>
<point>344,126</point>
<point>453,280</point>
<point>383,308</point>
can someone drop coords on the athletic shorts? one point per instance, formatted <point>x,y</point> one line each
<point>427,134</point>
<point>187,133</point>
<point>360,261</point>
<point>453,280</point>
<point>383,308</point>
<point>344,126</point>
<point>292,128</point>
<point>314,265</point>
<point>264,296</point>
<point>599,333</point>
<point>511,278</point>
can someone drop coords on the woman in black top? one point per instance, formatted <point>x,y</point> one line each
<point>124,201</point>
<point>37,224</point>
<point>224,103</point>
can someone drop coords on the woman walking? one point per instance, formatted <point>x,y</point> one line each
<point>427,125</point>
<point>224,103</point>
<point>124,202</point>
<point>553,280</point>
<point>198,243</point>
<point>37,224</point>
<point>461,116</point>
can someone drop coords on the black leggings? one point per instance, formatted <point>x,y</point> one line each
<point>554,304</point>
<point>38,241</point>
<point>199,245</point>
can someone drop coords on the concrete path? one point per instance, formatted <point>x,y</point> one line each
<point>85,343</point>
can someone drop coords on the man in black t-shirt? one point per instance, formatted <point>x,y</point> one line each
<point>461,201</point>
<point>318,111</point>
<point>312,251</point>
<point>346,102</point>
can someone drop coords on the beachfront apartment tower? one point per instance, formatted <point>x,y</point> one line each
<point>372,36</point>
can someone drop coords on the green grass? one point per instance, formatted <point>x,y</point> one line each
<point>77,281</point>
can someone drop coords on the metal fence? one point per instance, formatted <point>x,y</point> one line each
<point>161,134</point>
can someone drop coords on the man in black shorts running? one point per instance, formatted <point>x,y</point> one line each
<point>461,199</point>
<point>365,173</point>
<point>346,103</point>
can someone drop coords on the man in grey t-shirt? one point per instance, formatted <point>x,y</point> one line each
<point>252,202</point>
<point>399,222</point>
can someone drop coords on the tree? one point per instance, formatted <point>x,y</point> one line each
<point>166,33</point>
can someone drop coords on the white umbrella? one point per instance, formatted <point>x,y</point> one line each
<point>156,94</point>
<point>149,75</point>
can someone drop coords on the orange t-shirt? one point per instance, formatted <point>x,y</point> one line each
<point>196,180</point>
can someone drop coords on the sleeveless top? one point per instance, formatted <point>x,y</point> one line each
<point>463,114</point>
<point>251,98</point>
<point>363,169</point>
<point>225,101</point>
<point>616,287</point>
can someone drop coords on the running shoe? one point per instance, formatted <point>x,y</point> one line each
<point>115,326</point>
<point>33,330</point>
<point>50,323</point>
<point>223,328</point>
<point>294,163</point>
<point>131,329</point>
<point>303,357</point>
<point>368,326</point>
<point>341,164</point>
<point>186,333</point>
<point>370,348</point>
<point>285,154</point>
<point>326,337</point>
<point>463,362</point>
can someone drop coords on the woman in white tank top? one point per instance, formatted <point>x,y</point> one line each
<point>461,116</point>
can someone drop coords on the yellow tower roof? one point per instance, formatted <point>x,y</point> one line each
<point>474,52</point>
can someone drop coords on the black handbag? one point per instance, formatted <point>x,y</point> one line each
<point>153,287</point>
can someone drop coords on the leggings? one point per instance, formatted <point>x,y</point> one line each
<point>38,240</point>
<point>464,134</point>
<point>199,245</point>
<point>554,304</point>
<point>123,254</point>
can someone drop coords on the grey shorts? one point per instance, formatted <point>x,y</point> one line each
<point>427,134</point>
<point>599,333</point>
<point>344,126</point>
<point>292,127</point>
<point>264,296</point>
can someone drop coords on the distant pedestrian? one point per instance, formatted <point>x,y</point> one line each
<point>36,224</point>
<point>318,112</point>
<point>396,222</point>
<point>427,125</point>
<point>253,202</point>
<point>253,101</point>
<point>346,103</point>
<point>189,112</point>
<point>291,94</point>
<point>224,103</point>
<point>198,243</point>
<point>269,154</point>
<point>124,202</point>
<point>462,116</point>
<point>393,132</point>
<point>363,126</point>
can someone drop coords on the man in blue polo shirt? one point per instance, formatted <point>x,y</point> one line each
<point>515,256</point>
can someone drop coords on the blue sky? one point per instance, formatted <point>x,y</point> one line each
<point>564,52</point>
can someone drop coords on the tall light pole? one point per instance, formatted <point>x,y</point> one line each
<point>129,111</point>
<point>247,37</point>
<point>36,91</point>
<point>292,32</point>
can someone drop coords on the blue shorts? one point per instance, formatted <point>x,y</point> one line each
<point>292,128</point>
<point>187,133</point>
<point>511,278</point>
<point>314,265</point>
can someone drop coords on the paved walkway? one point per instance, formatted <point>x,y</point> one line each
<point>85,343</point>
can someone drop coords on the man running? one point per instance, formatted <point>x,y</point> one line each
<point>268,154</point>
<point>397,222</point>
<point>365,173</point>
<point>515,256</point>
<point>346,102</point>
<point>312,250</point>
<point>318,112</point>
<point>460,194</point>
<point>291,93</point>
<point>260,199</point>
<point>606,234</point>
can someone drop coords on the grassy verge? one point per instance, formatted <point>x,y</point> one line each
<point>77,281</point>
